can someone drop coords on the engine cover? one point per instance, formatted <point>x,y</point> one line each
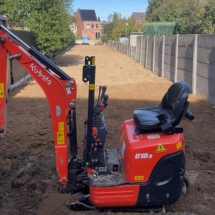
<point>139,154</point>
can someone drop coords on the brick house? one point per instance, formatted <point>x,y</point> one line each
<point>138,16</point>
<point>88,24</point>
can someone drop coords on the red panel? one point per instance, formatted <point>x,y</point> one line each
<point>140,153</point>
<point>115,196</point>
<point>3,88</point>
<point>59,98</point>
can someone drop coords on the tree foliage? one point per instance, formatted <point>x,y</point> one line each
<point>120,27</point>
<point>107,33</point>
<point>48,20</point>
<point>188,14</point>
<point>191,16</point>
<point>152,12</point>
<point>209,17</point>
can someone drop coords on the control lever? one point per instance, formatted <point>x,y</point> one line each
<point>100,89</point>
<point>103,91</point>
<point>105,99</point>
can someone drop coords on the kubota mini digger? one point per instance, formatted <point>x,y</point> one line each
<point>146,172</point>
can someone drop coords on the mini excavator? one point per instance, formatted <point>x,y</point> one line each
<point>146,172</point>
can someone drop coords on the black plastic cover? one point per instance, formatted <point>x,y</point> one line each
<point>165,184</point>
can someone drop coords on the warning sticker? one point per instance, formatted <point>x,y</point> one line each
<point>138,178</point>
<point>153,136</point>
<point>60,137</point>
<point>1,90</point>
<point>91,86</point>
<point>61,126</point>
<point>179,145</point>
<point>161,148</point>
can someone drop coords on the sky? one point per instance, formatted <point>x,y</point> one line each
<point>105,7</point>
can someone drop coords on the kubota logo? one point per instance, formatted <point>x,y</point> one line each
<point>40,74</point>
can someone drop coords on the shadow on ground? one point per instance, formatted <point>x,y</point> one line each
<point>68,60</point>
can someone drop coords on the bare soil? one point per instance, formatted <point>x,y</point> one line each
<point>28,179</point>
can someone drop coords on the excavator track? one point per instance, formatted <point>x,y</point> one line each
<point>170,213</point>
<point>79,206</point>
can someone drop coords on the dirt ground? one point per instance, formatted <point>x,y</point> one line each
<point>28,179</point>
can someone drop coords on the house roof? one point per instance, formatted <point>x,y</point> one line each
<point>88,15</point>
<point>139,15</point>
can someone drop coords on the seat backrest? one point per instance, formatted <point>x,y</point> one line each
<point>176,97</point>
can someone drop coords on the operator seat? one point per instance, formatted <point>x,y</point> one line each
<point>167,114</point>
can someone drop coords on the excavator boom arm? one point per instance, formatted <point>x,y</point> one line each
<point>59,88</point>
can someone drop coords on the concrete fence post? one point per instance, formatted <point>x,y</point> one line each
<point>136,53</point>
<point>176,59</point>
<point>163,56</point>
<point>153,55</point>
<point>141,46</point>
<point>131,51</point>
<point>135,58</point>
<point>195,50</point>
<point>146,56</point>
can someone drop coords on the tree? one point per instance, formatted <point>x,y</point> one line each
<point>209,17</point>
<point>108,31</point>
<point>74,17</point>
<point>152,12</point>
<point>119,29</point>
<point>191,16</point>
<point>110,26</point>
<point>15,11</point>
<point>48,20</point>
<point>134,26</point>
<point>188,14</point>
<point>116,17</point>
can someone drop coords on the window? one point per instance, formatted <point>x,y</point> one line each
<point>92,25</point>
<point>88,25</point>
<point>97,25</point>
<point>97,35</point>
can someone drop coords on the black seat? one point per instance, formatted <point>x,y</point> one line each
<point>170,111</point>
